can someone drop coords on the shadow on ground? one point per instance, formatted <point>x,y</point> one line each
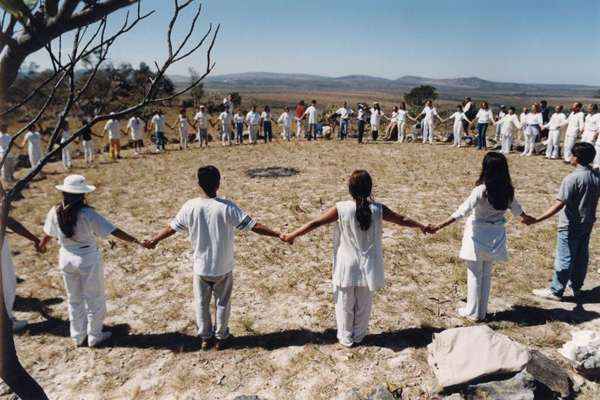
<point>524,315</point>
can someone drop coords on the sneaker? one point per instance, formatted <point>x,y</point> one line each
<point>18,325</point>
<point>205,344</point>
<point>104,336</point>
<point>81,342</point>
<point>546,294</point>
<point>220,344</point>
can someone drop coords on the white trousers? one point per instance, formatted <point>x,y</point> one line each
<point>66,157</point>
<point>428,132</point>
<point>225,136</point>
<point>352,313</point>
<point>9,279</point>
<point>479,281</point>
<point>88,151</point>
<point>457,132</point>
<point>530,136</point>
<point>588,137</point>
<point>253,133</point>
<point>298,128</point>
<point>570,141</point>
<point>597,158</point>
<point>205,288</point>
<point>84,282</point>
<point>8,170</point>
<point>401,128</point>
<point>506,143</point>
<point>553,143</point>
<point>183,140</point>
<point>287,133</point>
<point>498,132</point>
<point>35,154</point>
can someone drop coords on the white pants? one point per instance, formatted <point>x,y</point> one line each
<point>457,131</point>
<point>253,133</point>
<point>553,143</point>
<point>84,281</point>
<point>219,287</point>
<point>35,154</point>
<point>498,132</point>
<point>479,280</point>
<point>597,158</point>
<point>428,132</point>
<point>530,136</point>
<point>287,133</point>
<point>225,136</point>
<point>9,279</point>
<point>588,137</point>
<point>183,140</point>
<point>570,140</point>
<point>88,151</point>
<point>506,143</point>
<point>66,157</point>
<point>401,128</point>
<point>298,128</point>
<point>352,313</point>
<point>8,170</point>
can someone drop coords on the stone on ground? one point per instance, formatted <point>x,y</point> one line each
<point>519,387</point>
<point>548,372</point>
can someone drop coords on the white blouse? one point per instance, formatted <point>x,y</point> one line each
<point>485,116</point>
<point>357,254</point>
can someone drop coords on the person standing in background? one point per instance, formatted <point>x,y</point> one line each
<point>470,113</point>
<point>267,124</point>
<point>510,124</point>
<point>557,121</point>
<point>361,118</point>
<point>160,124</point>
<point>136,126</point>
<point>345,113</point>
<point>113,128</point>
<point>429,113</point>
<point>532,131</point>
<point>253,122</point>
<point>300,108</point>
<point>575,127</point>
<point>313,116</point>
<point>501,114</point>
<point>285,120</point>
<point>546,113</point>
<point>202,120</point>
<point>590,126</point>
<point>485,117</point>
<point>238,122</point>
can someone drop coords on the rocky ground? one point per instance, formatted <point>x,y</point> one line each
<point>282,317</point>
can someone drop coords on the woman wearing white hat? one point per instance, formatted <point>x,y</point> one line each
<point>76,225</point>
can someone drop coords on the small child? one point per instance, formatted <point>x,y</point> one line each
<point>484,239</point>
<point>358,254</point>
<point>285,119</point>
<point>238,121</point>
<point>577,201</point>
<point>509,124</point>
<point>113,127</point>
<point>557,121</point>
<point>210,222</point>
<point>457,129</point>
<point>76,225</point>
<point>184,129</point>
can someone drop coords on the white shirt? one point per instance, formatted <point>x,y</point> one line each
<point>34,140</point>
<point>375,119</point>
<point>225,118</point>
<point>89,225</point>
<point>591,123</point>
<point>285,119</point>
<point>5,139</point>
<point>509,123</point>
<point>534,119</point>
<point>265,116</point>
<point>344,112</point>
<point>357,254</point>
<point>501,114</point>
<point>400,116</point>
<point>201,119</point>
<point>485,116</point>
<point>575,124</point>
<point>66,135</point>
<point>113,128</point>
<point>183,124</point>
<point>467,107</point>
<point>238,118</point>
<point>557,121</point>
<point>159,123</point>
<point>312,113</point>
<point>430,113</point>
<point>228,105</point>
<point>253,118</point>
<point>360,115</point>
<point>523,119</point>
<point>210,225</point>
<point>136,127</point>
<point>458,118</point>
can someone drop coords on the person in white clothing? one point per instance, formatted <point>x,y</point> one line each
<point>160,127</point>
<point>429,115</point>
<point>210,222</point>
<point>202,120</point>
<point>253,122</point>
<point>76,225</point>
<point>285,120</point>
<point>557,121</point>
<point>357,254</point>
<point>523,121</point>
<point>33,139</point>
<point>501,115</point>
<point>9,278</point>
<point>534,121</point>
<point>65,135</point>
<point>484,239</point>
<point>8,169</point>
<point>183,125</point>
<point>238,122</point>
<point>596,162</point>
<point>113,128</point>
<point>485,117</point>
<point>136,127</point>
<point>509,125</point>
<point>457,128</point>
<point>401,117</point>
<point>312,114</point>
<point>590,126</point>
<point>344,113</point>
<point>575,127</point>
<point>299,116</point>
<point>226,121</point>
<point>266,123</point>
<point>375,121</point>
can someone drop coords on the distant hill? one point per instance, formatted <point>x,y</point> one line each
<point>255,81</point>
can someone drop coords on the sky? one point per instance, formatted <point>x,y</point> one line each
<point>529,41</point>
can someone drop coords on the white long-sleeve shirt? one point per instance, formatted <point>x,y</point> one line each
<point>429,113</point>
<point>534,119</point>
<point>458,117</point>
<point>312,113</point>
<point>591,123</point>
<point>557,121</point>
<point>482,209</point>
<point>253,118</point>
<point>375,119</point>
<point>575,124</point>
<point>509,124</point>
<point>401,116</point>
<point>344,112</point>
<point>485,116</point>
<point>285,119</point>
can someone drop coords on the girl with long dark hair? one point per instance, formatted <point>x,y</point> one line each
<point>357,254</point>
<point>76,225</point>
<point>484,239</point>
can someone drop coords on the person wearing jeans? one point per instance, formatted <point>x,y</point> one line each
<point>267,124</point>
<point>576,204</point>
<point>361,123</point>
<point>484,118</point>
<point>344,112</point>
<point>158,120</point>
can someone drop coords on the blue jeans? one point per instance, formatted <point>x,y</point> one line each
<point>571,262</point>
<point>268,131</point>
<point>239,132</point>
<point>361,130</point>
<point>343,129</point>
<point>481,139</point>
<point>160,141</point>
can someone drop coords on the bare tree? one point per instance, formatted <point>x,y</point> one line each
<point>57,18</point>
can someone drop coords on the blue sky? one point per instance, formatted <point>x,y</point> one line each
<point>545,41</point>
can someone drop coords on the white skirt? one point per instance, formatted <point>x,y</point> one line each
<point>484,241</point>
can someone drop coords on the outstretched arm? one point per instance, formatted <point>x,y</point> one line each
<point>398,219</point>
<point>118,233</point>
<point>162,235</point>
<point>20,230</point>
<point>552,211</point>
<point>265,231</point>
<point>327,217</point>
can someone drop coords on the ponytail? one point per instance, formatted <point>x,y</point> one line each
<point>363,213</point>
<point>360,186</point>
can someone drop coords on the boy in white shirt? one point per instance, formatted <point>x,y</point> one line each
<point>253,121</point>
<point>113,128</point>
<point>509,124</point>
<point>225,120</point>
<point>313,113</point>
<point>136,126</point>
<point>285,120</point>
<point>345,113</point>
<point>557,121</point>
<point>575,125</point>
<point>210,222</point>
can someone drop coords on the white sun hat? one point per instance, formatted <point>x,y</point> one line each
<point>75,184</point>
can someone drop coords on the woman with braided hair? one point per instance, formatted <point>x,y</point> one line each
<point>357,254</point>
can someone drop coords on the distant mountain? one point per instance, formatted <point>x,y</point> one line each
<point>255,81</point>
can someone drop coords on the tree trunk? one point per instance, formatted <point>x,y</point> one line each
<point>11,370</point>
<point>10,63</point>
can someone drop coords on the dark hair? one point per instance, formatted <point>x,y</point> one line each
<point>595,107</point>
<point>513,109</point>
<point>459,106</point>
<point>360,186</point>
<point>496,178</point>
<point>67,212</point>
<point>182,111</point>
<point>209,179</point>
<point>267,109</point>
<point>585,153</point>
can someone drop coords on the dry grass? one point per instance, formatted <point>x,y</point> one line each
<point>282,313</point>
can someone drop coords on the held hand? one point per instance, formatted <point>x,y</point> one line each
<point>287,238</point>
<point>149,244</point>
<point>528,220</point>
<point>38,246</point>
<point>431,229</point>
